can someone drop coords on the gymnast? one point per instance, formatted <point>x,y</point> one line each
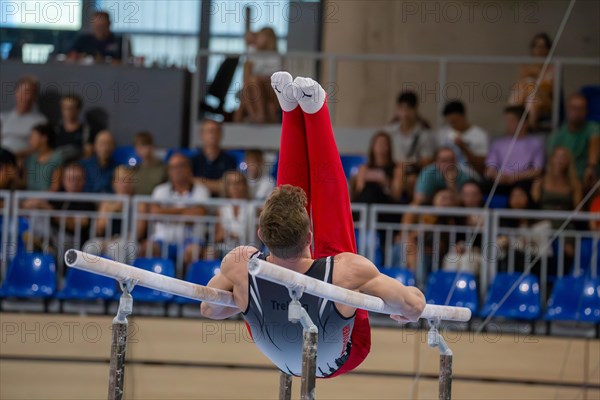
<point>310,186</point>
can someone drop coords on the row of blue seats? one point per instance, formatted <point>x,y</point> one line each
<point>32,275</point>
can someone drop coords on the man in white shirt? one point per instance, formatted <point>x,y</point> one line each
<point>17,123</point>
<point>469,142</point>
<point>182,193</point>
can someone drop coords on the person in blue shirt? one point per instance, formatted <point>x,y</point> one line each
<point>99,168</point>
<point>212,161</point>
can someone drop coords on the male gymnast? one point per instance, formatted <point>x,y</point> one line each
<point>310,185</point>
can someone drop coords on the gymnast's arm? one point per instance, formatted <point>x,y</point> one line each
<point>355,272</point>
<point>233,277</point>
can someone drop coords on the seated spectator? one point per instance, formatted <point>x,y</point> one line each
<point>151,171</point>
<point>233,218</point>
<point>42,167</point>
<point>414,144</point>
<point>17,123</point>
<point>212,161</point>
<point>99,167</point>
<point>460,257</point>
<point>539,103</point>
<point>9,172</point>
<point>179,191</point>
<point>469,142</point>
<point>525,238</point>
<point>581,138</point>
<point>442,174</point>
<point>406,250</point>
<point>558,189</point>
<point>76,230</point>
<point>526,160</point>
<point>110,239</point>
<point>380,179</point>
<point>257,99</point>
<point>102,44</point>
<point>260,182</point>
<point>72,136</point>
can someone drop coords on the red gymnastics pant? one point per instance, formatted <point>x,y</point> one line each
<point>309,159</point>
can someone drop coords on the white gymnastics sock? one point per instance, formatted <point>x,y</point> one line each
<point>286,91</point>
<point>311,96</point>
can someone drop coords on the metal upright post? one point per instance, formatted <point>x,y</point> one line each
<point>285,386</point>
<point>116,376</point>
<point>445,380</point>
<point>310,336</point>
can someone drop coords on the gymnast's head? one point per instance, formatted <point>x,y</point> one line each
<point>284,225</point>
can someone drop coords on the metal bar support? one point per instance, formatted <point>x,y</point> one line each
<point>116,376</point>
<point>434,339</point>
<point>310,336</point>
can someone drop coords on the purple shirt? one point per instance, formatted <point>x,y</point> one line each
<point>527,153</point>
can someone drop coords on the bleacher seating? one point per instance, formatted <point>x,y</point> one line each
<point>522,304</point>
<point>464,289</point>
<point>159,266</point>
<point>200,273</point>
<point>575,298</point>
<point>351,163</point>
<point>82,285</point>
<point>126,155</point>
<point>403,275</point>
<point>31,275</point>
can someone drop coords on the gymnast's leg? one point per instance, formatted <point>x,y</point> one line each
<point>330,203</point>
<point>293,167</point>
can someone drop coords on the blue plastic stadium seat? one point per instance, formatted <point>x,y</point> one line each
<point>160,266</point>
<point>200,273</point>
<point>404,275</point>
<point>239,156</point>
<point>592,94</point>
<point>31,275</point>
<point>498,201</point>
<point>439,285</point>
<point>523,303</point>
<point>82,285</point>
<point>586,256</point>
<point>126,155</point>
<point>351,164</point>
<point>189,153</point>
<point>575,299</point>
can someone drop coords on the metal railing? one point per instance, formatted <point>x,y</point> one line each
<point>504,239</point>
<point>54,222</point>
<point>298,62</point>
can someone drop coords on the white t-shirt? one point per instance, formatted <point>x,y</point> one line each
<point>234,226</point>
<point>409,148</point>
<point>476,139</point>
<point>176,232</point>
<point>16,128</point>
<point>260,188</point>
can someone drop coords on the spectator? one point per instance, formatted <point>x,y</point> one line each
<point>260,182</point>
<point>257,99</point>
<point>71,134</point>
<point>539,103</point>
<point>526,160</point>
<point>233,218</point>
<point>406,249</point>
<point>471,195</point>
<point>469,142</point>
<point>442,174</point>
<point>180,190</point>
<point>581,138</point>
<point>414,144</point>
<point>559,188</point>
<point>42,167</point>
<point>9,173</point>
<point>150,172</point>
<point>380,179</point>
<point>76,230</point>
<point>100,166</point>
<point>110,239</point>
<point>17,123</point>
<point>212,162</point>
<point>102,44</point>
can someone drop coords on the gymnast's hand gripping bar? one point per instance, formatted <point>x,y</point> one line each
<point>262,269</point>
